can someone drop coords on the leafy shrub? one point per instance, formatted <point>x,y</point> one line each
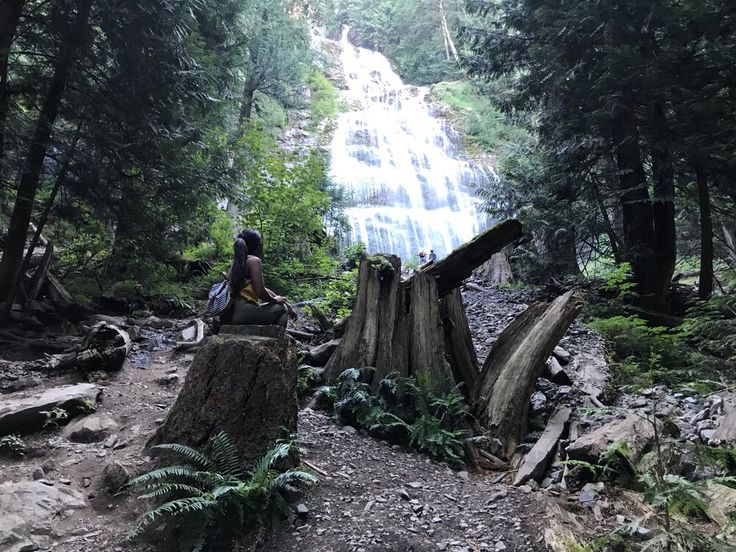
<point>711,326</point>
<point>54,418</point>
<point>339,294</point>
<point>324,100</point>
<point>213,496</point>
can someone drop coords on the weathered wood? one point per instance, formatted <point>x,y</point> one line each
<point>514,364</point>
<point>244,386</point>
<point>196,341</point>
<point>556,373</point>
<point>324,323</point>
<point>105,347</point>
<point>459,348</point>
<point>58,292</point>
<point>537,459</point>
<point>374,322</point>
<point>458,265</point>
<point>426,354</point>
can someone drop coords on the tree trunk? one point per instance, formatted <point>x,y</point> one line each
<point>459,348</point>
<point>10,11</point>
<point>246,107</point>
<point>515,362</point>
<point>638,225</point>
<point>705,281</point>
<point>663,206</point>
<point>396,326</point>
<point>449,43</point>
<point>244,386</point>
<point>21,217</point>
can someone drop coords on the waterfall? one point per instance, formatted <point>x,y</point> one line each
<point>408,184</point>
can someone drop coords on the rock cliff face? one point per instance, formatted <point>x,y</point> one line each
<point>242,385</point>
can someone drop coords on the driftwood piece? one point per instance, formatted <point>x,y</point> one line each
<point>196,341</point>
<point>458,265</point>
<point>514,364</point>
<point>556,373</point>
<point>537,459</point>
<point>242,385</point>
<point>58,292</point>
<point>299,335</point>
<point>105,348</point>
<point>459,348</point>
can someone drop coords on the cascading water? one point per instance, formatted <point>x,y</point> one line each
<point>408,184</point>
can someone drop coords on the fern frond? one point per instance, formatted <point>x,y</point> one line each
<point>226,456</point>
<point>197,458</point>
<point>169,472</point>
<point>163,489</point>
<point>171,509</point>
<point>269,459</point>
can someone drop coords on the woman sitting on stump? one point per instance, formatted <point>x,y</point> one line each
<point>248,288</point>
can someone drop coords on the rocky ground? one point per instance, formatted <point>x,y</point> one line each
<point>372,496</point>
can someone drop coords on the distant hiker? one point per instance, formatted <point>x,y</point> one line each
<point>422,257</point>
<point>432,256</point>
<point>248,288</point>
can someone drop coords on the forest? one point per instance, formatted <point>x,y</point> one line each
<point>138,138</point>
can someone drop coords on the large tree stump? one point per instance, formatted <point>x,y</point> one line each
<point>514,364</point>
<point>396,326</point>
<point>459,348</point>
<point>242,385</point>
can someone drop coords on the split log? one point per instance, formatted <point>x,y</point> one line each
<point>514,364</point>
<point>537,459</point>
<point>39,276</point>
<point>458,265</point>
<point>242,385</point>
<point>459,348</point>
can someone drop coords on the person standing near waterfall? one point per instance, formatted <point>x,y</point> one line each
<point>422,257</point>
<point>432,256</point>
<point>248,287</point>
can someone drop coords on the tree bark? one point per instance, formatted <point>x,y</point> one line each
<point>459,348</point>
<point>515,362</point>
<point>396,326</point>
<point>638,224</point>
<point>705,280</point>
<point>663,205</point>
<point>10,11</point>
<point>30,176</point>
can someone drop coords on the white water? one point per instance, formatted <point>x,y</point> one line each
<point>410,186</point>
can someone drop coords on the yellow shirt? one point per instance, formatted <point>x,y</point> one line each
<point>248,293</point>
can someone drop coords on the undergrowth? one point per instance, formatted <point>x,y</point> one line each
<point>214,496</point>
<point>404,412</point>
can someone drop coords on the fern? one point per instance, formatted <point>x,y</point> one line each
<point>216,495</point>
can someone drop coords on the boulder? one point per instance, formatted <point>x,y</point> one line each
<point>635,431</point>
<point>114,476</point>
<point>725,434</point>
<point>29,511</point>
<point>319,355</point>
<point>90,429</point>
<point>23,414</point>
<point>242,385</point>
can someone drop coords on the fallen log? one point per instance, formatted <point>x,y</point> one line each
<point>105,348</point>
<point>513,365</point>
<point>197,333</point>
<point>458,265</point>
<point>537,459</point>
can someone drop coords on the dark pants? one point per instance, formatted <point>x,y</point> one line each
<point>269,314</point>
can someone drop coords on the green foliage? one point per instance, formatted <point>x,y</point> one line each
<point>214,496</point>
<point>339,294</point>
<point>485,127</point>
<point>54,418</point>
<point>12,445</point>
<point>218,243</point>
<point>408,32</point>
<point>324,102</point>
<point>416,417</point>
<point>711,326</point>
<point>353,254</point>
<point>674,493</point>
<point>284,196</point>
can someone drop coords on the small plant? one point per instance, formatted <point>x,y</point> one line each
<point>12,445</point>
<point>88,406</point>
<point>213,496</point>
<point>54,418</point>
<point>428,422</point>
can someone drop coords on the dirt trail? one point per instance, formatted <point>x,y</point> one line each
<point>375,497</point>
